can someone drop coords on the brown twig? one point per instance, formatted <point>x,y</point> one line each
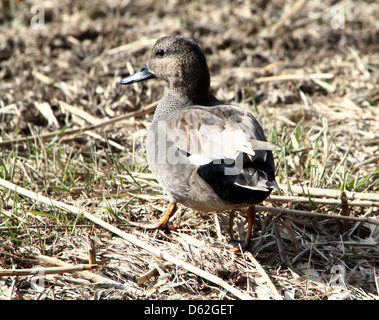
<point>147,276</point>
<point>91,251</point>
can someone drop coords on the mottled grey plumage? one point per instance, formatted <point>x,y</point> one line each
<point>206,155</point>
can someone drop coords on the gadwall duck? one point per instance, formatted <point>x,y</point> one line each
<point>206,155</point>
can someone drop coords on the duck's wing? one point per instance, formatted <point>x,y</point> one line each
<point>208,134</point>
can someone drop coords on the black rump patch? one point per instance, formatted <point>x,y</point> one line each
<point>214,174</point>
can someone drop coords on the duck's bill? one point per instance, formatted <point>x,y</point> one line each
<point>141,75</point>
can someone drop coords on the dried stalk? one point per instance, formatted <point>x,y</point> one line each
<point>287,16</point>
<point>132,47</point>
<point>295,76</point>
<point>318,192</point>
<point>48,136</point>
<point>163,255</point>
<point>317,215</point>
<point>264,275</point>
<point>93,277</point>
<point>322,201</point>
<point>51,270</point>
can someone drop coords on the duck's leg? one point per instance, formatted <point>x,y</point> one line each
<point>250,217</point>
<point>231,220</point>
<point>162,223</point>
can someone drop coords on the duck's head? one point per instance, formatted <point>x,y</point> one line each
<point>181,63</point>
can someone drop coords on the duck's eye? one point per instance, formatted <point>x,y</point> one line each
<point>160,52</point>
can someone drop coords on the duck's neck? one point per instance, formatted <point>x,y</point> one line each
<point>190,83</point>
<point>172,102</point>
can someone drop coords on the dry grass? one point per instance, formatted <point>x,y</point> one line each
<point>314,89</point>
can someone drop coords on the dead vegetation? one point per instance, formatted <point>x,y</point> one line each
<point>72,134</point>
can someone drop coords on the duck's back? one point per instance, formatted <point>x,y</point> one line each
<point>211,153</point>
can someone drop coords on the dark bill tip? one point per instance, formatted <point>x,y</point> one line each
<point>141,75</point>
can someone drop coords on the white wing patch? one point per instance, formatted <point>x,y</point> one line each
<point>224,144</point>
<point>198,160</point>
